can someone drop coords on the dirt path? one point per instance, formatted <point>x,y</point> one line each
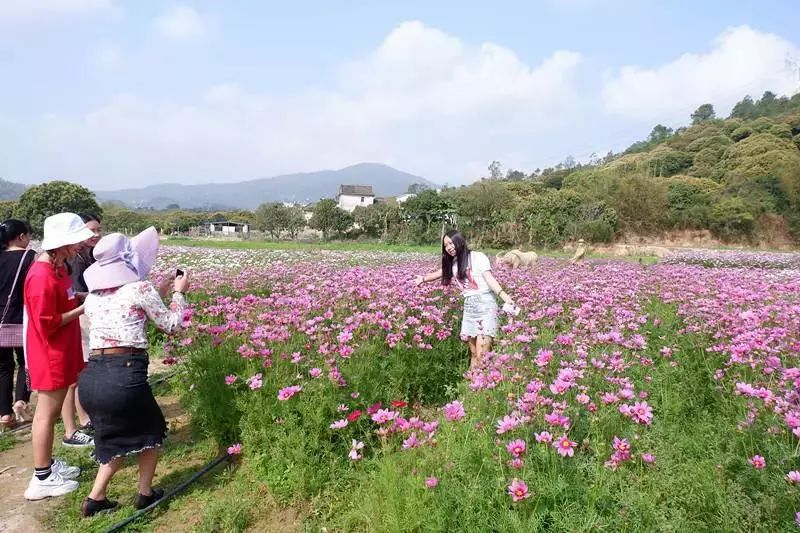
<point>16,513</point>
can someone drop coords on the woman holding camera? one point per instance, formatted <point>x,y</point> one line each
<point>114,389</point>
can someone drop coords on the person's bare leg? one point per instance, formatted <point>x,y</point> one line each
<point>484,345</point>
<point>83,416</point>
<point>473,353</point>
<point>148,459</point>
<point>103,478</point>
<point>48,405</point>
<point>68,411</point>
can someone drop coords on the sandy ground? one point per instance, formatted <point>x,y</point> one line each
<point>16,468</point>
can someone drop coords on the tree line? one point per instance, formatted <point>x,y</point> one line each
<point>738,177</point>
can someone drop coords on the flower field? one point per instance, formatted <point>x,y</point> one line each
<point>623,397</point>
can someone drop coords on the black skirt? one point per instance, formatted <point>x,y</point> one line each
<point>114,391</point>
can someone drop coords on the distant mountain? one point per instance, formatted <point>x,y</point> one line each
<point>302,187</point>
<point>10,190</point>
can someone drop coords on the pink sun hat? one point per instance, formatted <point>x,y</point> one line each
<point>120,260</point>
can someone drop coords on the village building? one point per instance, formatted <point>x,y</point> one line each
<point>352,196</point>
<point>226,228</point>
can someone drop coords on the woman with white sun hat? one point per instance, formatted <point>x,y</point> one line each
<point>53,347</point>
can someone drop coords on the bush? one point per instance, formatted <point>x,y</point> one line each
<point>731,219</point>
<point>741,133</point>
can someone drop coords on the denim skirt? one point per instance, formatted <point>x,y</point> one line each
<point>117,397</point>
<point>480,315</point>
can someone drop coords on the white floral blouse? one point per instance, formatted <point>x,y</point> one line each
<point>118,317</point>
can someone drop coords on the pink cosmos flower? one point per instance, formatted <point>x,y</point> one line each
<point>254,382</point>
<point>565,447</point>
<point>315,372</point>
<point>454,411</point>
<point>355,448</point>
<point>518,490</point>
<point>431,482</point>
<point>411,442</point>
<point>648,458</point>
<point>507,423</point>
<point>793,477</point>
<point>516,447</point>
<point>383,416</point>
<point>642,413</point>
<point>235,449</point>
<point>230,379</point>
<point>758,462</point>
<point>339,424</point>
<point>544,437</point>
<point>516,463</point>
<point>287,392</point>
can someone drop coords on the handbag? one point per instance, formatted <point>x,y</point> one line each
<point>11,334</point>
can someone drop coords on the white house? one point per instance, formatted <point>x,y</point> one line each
<point>227,228</point>
<point>403,197</point>
<point>352,196</point>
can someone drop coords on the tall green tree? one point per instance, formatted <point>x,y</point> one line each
<point>272,218</point>
<point>42,201</point>
<point>704,113</point>
<point>330,219</point>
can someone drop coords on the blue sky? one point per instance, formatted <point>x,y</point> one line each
<point>111,93</point>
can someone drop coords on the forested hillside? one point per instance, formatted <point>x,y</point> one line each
<point>738,177</point>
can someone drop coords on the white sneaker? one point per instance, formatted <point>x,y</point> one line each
<point>66,471</point>
<point>54,485</point>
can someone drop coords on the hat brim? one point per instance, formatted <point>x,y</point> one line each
<point>117,274</point>
<point>67,239</point>
<point>146,245</point>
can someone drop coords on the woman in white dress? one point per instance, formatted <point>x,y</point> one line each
<point>472,273</point>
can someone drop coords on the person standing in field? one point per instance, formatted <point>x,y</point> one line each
<point>81,436</point>
<point>114,389</point>
<point>472,273</point>
<point>53,345</point>
<point>15,260</point>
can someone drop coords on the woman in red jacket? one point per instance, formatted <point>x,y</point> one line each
<point>53,347</point>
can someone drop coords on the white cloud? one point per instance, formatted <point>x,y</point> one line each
<point>181,23</point>
<point>106,57</point>
<point>423,101</point>
<point>742,61</point>
<point>28,10</point>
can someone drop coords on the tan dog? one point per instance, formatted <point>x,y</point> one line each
<point>516,258</point>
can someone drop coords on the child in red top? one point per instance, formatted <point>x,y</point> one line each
<point>53,348</point>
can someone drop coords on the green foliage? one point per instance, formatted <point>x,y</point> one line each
<point>741,133</point>
<point>704,113</point>
<point>42,201</point>
<point>425,213</point>
<point>730,218</point>
<point>7,208</point>
<point>690,201</point>
<point>275,218</point>
<point>699,481</point>
<point>556,216</point>
<point>330,219</point>
<point>378,220</point>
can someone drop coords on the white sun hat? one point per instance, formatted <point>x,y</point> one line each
<point>64,229</point>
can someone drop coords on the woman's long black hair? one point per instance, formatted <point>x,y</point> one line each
<point>11,229</point>
<point>461,258</point>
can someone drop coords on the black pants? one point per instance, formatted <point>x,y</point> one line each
<point>7,391</point>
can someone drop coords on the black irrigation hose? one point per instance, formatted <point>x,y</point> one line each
<point>163,377</point>
<point>20,427</point>
<point>177,490</point>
